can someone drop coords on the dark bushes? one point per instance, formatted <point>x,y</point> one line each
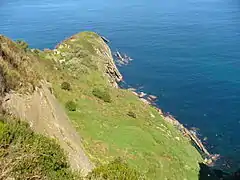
<point>22,44</point>
<point>71,106</point>
<point>102,94</point>
<point>132,114</point>
<point>66,86</point>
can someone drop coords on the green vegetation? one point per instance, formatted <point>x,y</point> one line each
<point>116,169</point>
<point>26,155</point>
<point>148,143</point>
<point>71,106</point>
<point>112,122</point>
<point>16,67</point>
<point>22,44</point>
<point>66,86</point>
<point>102,94</point>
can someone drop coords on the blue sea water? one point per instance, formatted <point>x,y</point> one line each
<point>185,52</point>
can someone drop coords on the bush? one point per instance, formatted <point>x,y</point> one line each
<point>66,86</point>
<point>22,44</point>
<point>115,170</point>
<point>102,94</point>
<point>36,51</point>
<point>26,155</point>
<point>132,114</point>
<point>71,106</point>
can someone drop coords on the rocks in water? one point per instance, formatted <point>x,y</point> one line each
<point>132,89</point>
<point>142,94</point>
<point>105,39</point>
<point>122,59</point>
<point>152,97</point>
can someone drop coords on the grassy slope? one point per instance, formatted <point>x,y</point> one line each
<point>147,142</point>
<point>26,155</point>
<point>23,153</point>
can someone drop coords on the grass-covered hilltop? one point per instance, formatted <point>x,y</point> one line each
<point>63,117</point>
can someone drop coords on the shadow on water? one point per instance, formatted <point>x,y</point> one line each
<point>209,173</point>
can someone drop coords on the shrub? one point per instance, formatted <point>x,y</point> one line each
<point>22,44</point>
<point>36,51</point>
<point>26,155</point>
<point>115,170</point>
<point>132,114</point>
<point>102,94</point>
<point>71,106</point>
<point>66,86</point>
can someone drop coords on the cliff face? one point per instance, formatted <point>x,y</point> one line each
<point>81,76</point>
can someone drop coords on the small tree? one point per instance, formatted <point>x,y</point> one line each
<point>71,106</point>
<point>22,44</point>
<point>66,86</point>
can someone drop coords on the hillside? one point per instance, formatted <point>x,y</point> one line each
<point>70,94</point>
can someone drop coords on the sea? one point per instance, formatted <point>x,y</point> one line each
<point>186,52</point>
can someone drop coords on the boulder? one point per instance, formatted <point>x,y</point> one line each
<point>153,97</point>
<point>142,94</point>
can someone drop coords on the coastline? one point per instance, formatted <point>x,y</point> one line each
<point>115,78</point>
<point>209,159</point>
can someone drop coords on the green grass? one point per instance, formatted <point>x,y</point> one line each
<point>27,155</point>
<point>16,66</point>
<point>147,142</point>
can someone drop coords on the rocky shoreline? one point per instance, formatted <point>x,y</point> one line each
<point>209,158</point>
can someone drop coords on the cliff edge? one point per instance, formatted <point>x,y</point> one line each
<point>70,94</point>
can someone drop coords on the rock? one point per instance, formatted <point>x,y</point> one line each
<point>135,93</point>
<point>131,89</point>
<point>160,111</point>
<point>142,94</point>
<point>47,50</point>
<point>208,161</point>
<point>153,97</point>
<point>145,101</point>
<point>149,99</point>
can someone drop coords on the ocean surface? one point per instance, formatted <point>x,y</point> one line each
<point>186,52</point>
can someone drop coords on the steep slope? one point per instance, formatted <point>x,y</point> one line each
<point>27,98</point>
<point>103,113</point>
<point>26,155</point>
<point>80,74</point>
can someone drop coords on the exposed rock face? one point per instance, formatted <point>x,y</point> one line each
<point>22,97</point>
<point>44,114</point>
